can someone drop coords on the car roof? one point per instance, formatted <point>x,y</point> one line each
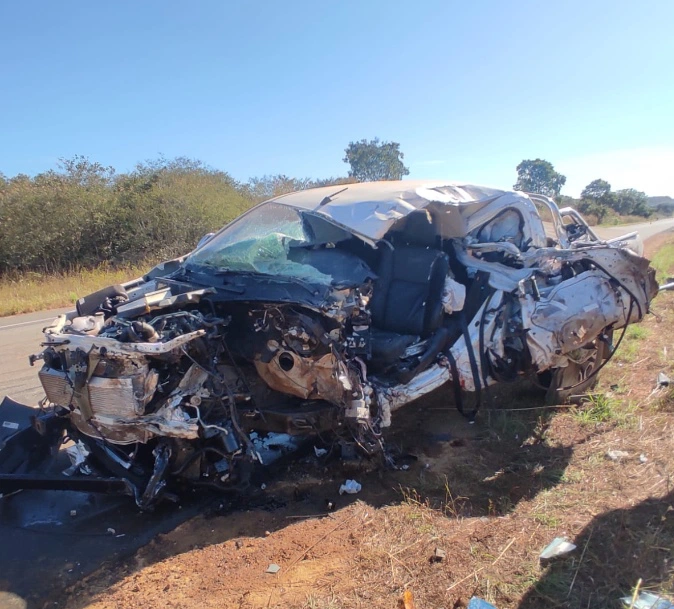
<point>371,208</point>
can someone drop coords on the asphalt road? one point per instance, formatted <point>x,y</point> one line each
<point>20,336</point>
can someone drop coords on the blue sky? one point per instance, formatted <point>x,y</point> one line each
<point>469,89</point>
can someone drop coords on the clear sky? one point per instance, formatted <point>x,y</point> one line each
<point>468,88</point>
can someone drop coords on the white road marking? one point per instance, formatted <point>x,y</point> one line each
<point>27,323</point>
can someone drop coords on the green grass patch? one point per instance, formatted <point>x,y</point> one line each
<point>663,261</point>
<point>603,408</point>
<point>35,292</point>
<point>636,332</point>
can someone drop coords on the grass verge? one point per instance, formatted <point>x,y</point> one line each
<point>35,292</point>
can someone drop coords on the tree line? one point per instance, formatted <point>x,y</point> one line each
<point>597,198</point>
<point>83,214</point>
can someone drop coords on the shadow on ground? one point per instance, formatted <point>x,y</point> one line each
<point>614,551</point>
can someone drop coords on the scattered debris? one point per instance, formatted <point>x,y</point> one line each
<point>111,531</point>
<point>330,505</point>
<point>407,600</point>
<point>77,453</point>
<point>273,568</point>
<point>479,603</point>
<point>663,380</point>
<point>439,555</point>
<point>263,486</point>
<point>73,513</point>
<point>647,600</point>
<point>320,452</point>
<point>404,467</point>
<point>617,455</point>
<point>557,547</point>
<point>643,458</point>
<point>351,487</point>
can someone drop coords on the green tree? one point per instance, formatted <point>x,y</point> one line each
<point>375,160</point>
<point>539,176</point>
<point>631,202</point>
<point>597,190</point>
<point>597,199</point>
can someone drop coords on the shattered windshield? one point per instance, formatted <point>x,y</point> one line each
<point>266,240</point>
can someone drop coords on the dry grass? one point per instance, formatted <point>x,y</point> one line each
<point>34,292</point>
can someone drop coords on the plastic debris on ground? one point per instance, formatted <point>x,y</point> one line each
<point>647,600</point>
<point>273,445</point>
<point>643,458</point>
<point>350,487</point>
<point>273,568</point>
<point>320,452</point>
<point>407,600</point>
<point>663,380</point>
<point>557,547</point>
<point>617,455</point>
<point>439,555</point>
<point>479,603</point>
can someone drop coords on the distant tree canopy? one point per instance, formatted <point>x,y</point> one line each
<point>374,160</point>
<point>598,199</point>
<point>539,176</point>
<point>268,187</point>
<point>597,189</point>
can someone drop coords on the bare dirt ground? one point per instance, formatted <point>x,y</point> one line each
<point>490,495</point>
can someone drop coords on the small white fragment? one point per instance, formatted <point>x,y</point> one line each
<point>263,486</point>
<point>10,425</point>
<point>111,531</point>
<point>557,547</point>
<point>320,452</point>
<point>273,568</point>
<point>351,487</point>
<point>643,458</point>
<point>617,455</point>
<point>647,600</point>
<point>404,467</point>
<point>73,513</point>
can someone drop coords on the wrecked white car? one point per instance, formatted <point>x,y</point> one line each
<point>320,313</point>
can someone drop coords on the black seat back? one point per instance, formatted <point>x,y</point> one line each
<point>407,296</point>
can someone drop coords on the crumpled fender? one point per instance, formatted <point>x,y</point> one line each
<point>21,445</point>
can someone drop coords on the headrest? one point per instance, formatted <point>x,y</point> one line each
<point>419,229</point>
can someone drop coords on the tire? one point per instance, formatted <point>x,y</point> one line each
<point>567,385</point>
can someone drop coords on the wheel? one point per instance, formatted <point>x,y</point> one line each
<point>567,385</point>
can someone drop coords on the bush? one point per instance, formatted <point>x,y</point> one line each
<point>85,214</point>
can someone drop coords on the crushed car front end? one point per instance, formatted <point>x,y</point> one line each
<point>320,314</point>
